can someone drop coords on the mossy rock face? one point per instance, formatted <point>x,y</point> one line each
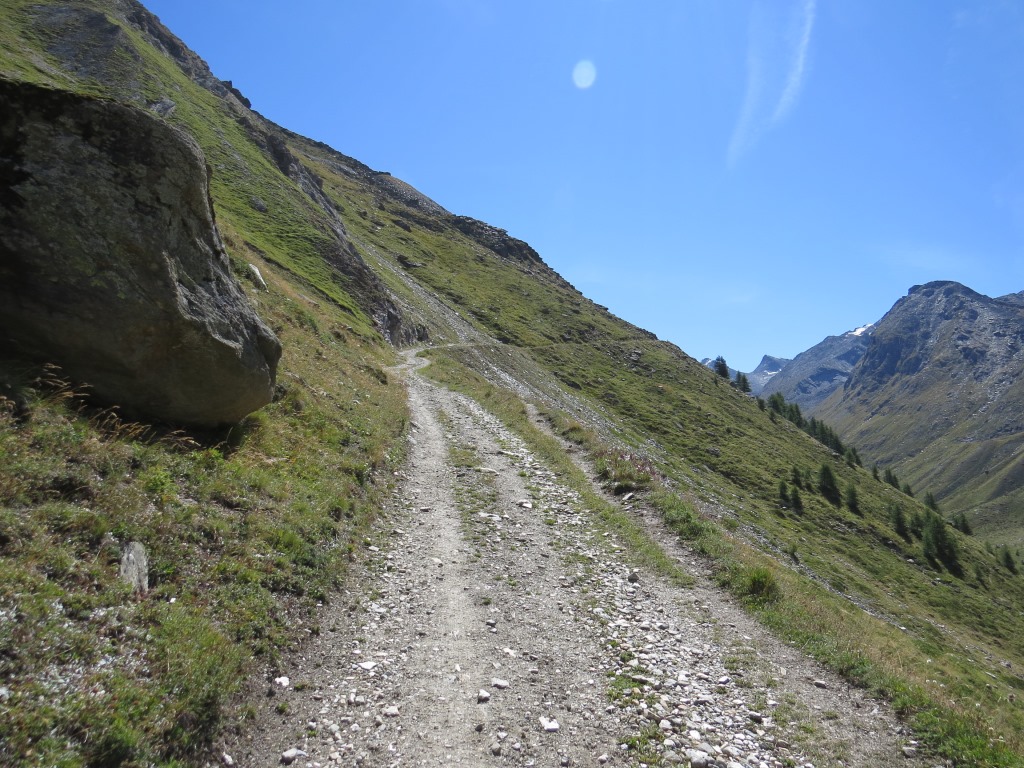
<point>111,265</point>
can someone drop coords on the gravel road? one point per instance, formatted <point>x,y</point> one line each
<point>494,623</point>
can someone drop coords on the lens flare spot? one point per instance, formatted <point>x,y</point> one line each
<point>584,74</point>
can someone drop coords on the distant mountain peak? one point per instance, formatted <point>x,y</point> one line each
<point>935,285</point>
<point>941,378</point>
<point>769,367</point>
<point>815,374</point>
<point>1012,298</point>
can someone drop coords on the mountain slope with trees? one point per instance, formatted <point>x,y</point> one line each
<point>938,395</point>
<point>248,529</point>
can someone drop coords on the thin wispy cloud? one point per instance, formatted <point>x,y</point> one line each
<point>777,57</point>
<point>798,64</point>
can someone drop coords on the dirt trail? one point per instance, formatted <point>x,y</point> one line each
<point>492,623</point>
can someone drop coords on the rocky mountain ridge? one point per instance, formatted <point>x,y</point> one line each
<point>932,391</point>
<point>812,376</point>
<point>938,394</point>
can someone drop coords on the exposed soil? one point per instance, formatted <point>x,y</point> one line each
<point>493,622</point>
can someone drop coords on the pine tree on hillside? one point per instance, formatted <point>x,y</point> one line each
<point>721,367</point>
<point>961,524</point>
<point>939,544</point>
<point>1008,562</point>
<point>796,500</point>
<point>827,485</point>
<point>899,521</point>
<point>851,499</point>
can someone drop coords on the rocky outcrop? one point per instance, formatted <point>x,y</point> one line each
<point>134,570</point>
<point>111,265</point>
<point>947,327</point>
<point>497,240</point>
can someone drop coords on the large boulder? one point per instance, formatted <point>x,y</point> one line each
<point>111,265</point>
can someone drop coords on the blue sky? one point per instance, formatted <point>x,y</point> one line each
<point>741,177</point>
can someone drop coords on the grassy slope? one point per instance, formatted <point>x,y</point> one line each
<point>260,520</point>
<point>246,530</point>
<point>980,476</point>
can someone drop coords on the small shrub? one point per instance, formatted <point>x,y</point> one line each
<point>757,585</point>
<point>624,472</point>
<point>159,484</point>
<point>979,575</point>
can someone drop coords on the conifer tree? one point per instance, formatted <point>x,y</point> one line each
<point>851,499</point>
<point>796,500</point>
<point>1008,562</point>
<point>899,521</point>
<point>961,523</point>
<point>939,544</point>
<point>827,485</point>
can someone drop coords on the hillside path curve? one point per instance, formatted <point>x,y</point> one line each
<point>492,621</point>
